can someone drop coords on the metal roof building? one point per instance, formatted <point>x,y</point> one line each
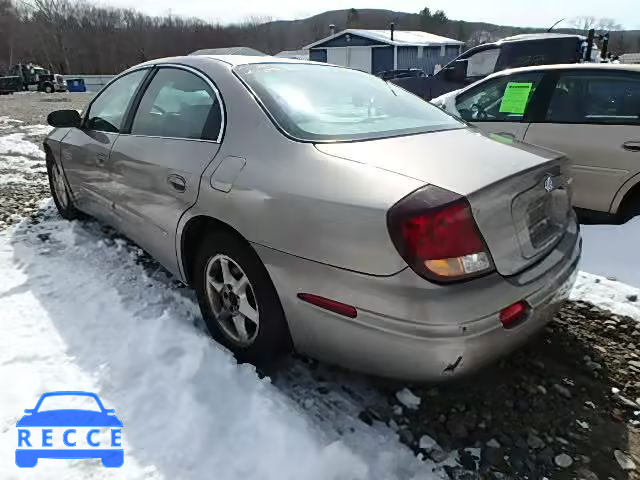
<point>376,51</point>
<point>295,54</point>
<point>229,51</point>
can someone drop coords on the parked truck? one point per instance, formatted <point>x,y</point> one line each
<point>517,51</point>
<point>10,84</point>
<point>35,77</point>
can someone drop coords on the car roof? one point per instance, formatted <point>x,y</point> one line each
<point>232,60</point>
<point>523,37</point>
<point>568,66</point>
<point>68,392</point>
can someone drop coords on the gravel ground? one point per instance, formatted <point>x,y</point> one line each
<point>21,188</point>
<point>33,107</point>
<point>565,407</point>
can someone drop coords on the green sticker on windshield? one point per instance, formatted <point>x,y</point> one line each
<point>516,97</point>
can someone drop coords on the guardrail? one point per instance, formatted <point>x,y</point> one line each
<point>92,82</point>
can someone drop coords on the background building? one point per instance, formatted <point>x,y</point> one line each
<point>376,51</point>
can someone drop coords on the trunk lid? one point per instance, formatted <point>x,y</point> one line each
<point>520,195</point>
<point>524,216</point>
<point>462,161</point>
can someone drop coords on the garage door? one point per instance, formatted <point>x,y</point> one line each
<point>337,56</point>
<point>360,58</point>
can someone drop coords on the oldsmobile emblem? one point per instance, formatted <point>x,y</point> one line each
<point>548,184</point>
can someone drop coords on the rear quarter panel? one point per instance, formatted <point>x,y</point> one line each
<point>293,198</point>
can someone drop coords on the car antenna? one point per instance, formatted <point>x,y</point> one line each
<point>554,25</point>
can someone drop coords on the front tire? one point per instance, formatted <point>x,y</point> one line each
<point>238,300</point>
<point>60,191</point>
<point>48,88</point>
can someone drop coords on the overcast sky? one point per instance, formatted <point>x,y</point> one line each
<point>536,13</point>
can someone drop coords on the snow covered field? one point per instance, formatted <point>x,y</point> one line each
<point>82,309</point>
<point>80,314</point>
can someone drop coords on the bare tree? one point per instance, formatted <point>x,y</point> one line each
<point>589,22</point>
<point>583,22</point>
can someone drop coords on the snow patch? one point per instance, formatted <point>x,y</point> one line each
<point>610,295</point>
<point>19,162</point>
<point>12,178</point>
<point>16,144</point>
<point>81,314</point>
<point>36,130</point>
<point>6,120</point>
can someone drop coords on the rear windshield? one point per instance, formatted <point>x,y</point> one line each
<point>321,103</point>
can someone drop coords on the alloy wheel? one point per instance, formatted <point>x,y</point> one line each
<point>59,187</point>
<point>232,300</point>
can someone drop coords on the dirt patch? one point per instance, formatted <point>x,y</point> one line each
<point>559,408</point>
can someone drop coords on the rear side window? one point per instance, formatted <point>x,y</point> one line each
<point>107,112</point>
<point>178,104</point>
<point>483,63</point>
<point>540,52</point>
<point>502,99</point>
<point>596,97</point>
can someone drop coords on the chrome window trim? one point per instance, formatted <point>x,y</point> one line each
<point>209,82</point>
<point>85,112</point>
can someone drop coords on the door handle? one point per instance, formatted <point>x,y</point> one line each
<point>101,159</point>
<point>177,182</point>
<point>632,146</point>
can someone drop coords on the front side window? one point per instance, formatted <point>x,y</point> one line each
<point>483,63</point>
<point>178,104</point>
<point>502,99</point>
<point>107,112</point>
<point>324,103</point>
<point>596,97</point>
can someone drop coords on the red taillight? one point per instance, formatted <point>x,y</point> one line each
<point>512,314</point>
<point>328,304</point>
<point>434,231</point>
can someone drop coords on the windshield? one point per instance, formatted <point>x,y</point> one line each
<point>323,103</point>
<point>69,402</point>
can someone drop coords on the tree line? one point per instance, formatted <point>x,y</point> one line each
<point>75,37</point>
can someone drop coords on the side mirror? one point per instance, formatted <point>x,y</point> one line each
<point>64,119</point>
<point>456,71</point>
<point>109,411</point>
<point>28,410</point>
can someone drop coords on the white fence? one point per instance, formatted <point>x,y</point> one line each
<point>630,58</point>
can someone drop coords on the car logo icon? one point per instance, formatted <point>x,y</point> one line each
<point>91,431</point>
<point>548,184</point>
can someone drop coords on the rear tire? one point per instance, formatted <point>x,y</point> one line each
<point>60,191</point>
<point>264,342</point>
<point>630,207</point>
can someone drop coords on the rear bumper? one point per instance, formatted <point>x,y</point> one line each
<point>409,329</point>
